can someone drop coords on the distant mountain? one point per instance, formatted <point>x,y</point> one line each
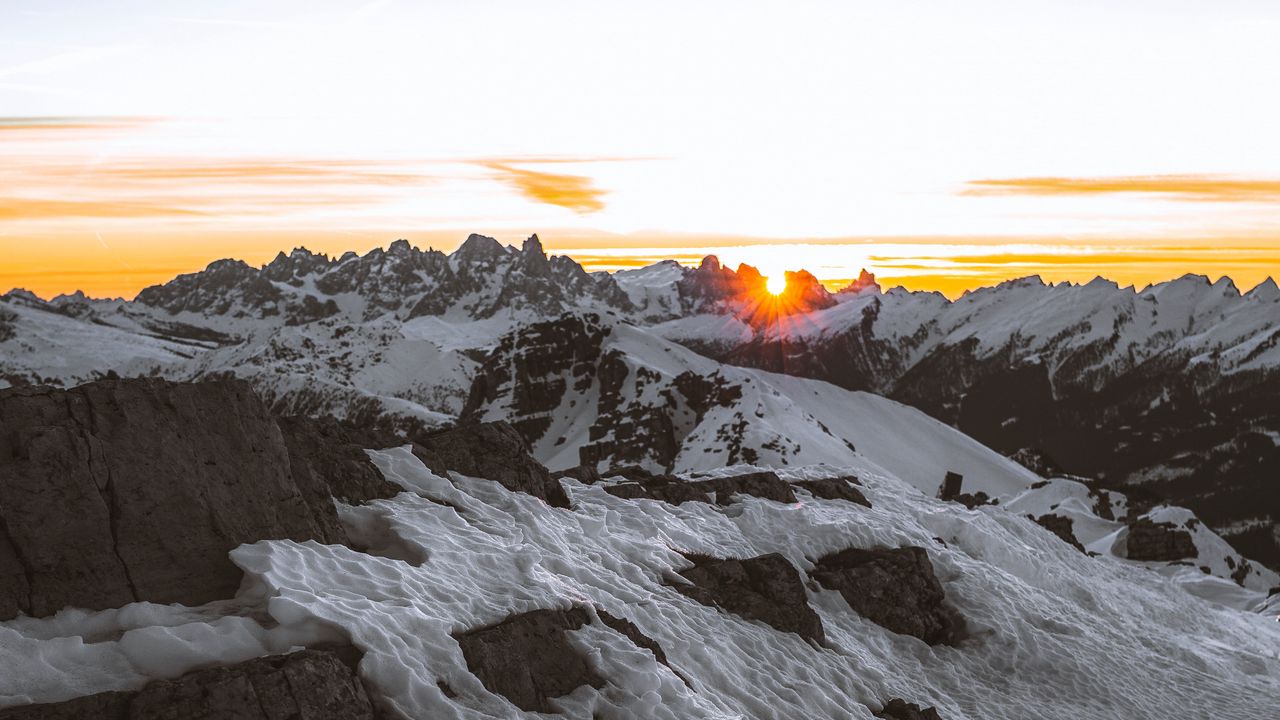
<point>1170,392</point>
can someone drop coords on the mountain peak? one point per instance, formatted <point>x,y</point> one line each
<point>864,281</point>
<point>532,246</point>
<point>479,247</point>
<point>1265,291</point>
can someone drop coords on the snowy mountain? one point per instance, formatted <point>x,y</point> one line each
<point>1168,393</point>
<point>440,579</point>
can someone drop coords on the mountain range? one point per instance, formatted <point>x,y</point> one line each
<point>1167,394</point>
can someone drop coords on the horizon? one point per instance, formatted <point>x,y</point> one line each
<point>611,265</point>
<point>942,148</point>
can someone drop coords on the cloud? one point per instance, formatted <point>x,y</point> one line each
<point>1195,188</point>
<point>575,192</point>
<point>18,208</point>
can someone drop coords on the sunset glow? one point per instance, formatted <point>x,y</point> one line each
<point>939,147</point>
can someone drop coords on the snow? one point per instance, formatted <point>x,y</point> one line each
<point>1052,633</point>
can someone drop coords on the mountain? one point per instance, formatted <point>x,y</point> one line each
<point>207,559</point>
<point>1167,394</point>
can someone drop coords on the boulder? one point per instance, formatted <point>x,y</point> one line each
<point>894,588</point>
<point>675,490</point>
<point>835,488</point>
<point>305,685</point>
<point>584,474</point>
<point>899,709</point>
<point>329,456</point>
<point>528,658</point>
<point>639,639</point>
<point>125,490</point>
<point>1063,527</point>
<point>1158,542</point>
<point>492,450</point>
<point>767,588</point>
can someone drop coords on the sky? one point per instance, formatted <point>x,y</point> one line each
<point>940,145</point>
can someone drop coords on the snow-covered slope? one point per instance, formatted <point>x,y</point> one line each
<point>1050,632</point>
<point>1172,391</point>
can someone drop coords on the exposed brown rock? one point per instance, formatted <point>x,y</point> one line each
<point>767,588</point>
<point>125,490</point>
<point>1158,542</point>
<point>639,639</point>
<point>492,450</point>
<point>528,658</point>
<point>584,474</point>
<point>899,709</point>
<point>332,454</point>
<point>836,488</point>
<point>1061,526</point>
<point>305,685</point>
<point>674,490</point>
<point>894,588</point>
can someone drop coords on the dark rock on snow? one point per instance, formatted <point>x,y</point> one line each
<point>674,490</point>
<point>950,491</point>
<point>492,450</point>
<point>126,490</point>
<point>894,588</point>
<point>767,588</point>
<point>584,474</point>
<point>1061,526</point>
<point>836,488</point>
<point>528,658</point>
<point>1160,542</point>
<point>899,709</point>
<point>639,639</point>
<point>333,454</point>
<point>306,685</point>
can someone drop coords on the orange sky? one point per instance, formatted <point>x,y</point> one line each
<point>940,145</point>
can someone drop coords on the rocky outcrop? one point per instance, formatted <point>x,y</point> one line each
<point>835,488</point>
<point>528,658</point>
<point>675,490</point>
<point>1061,526</point>
<point>899,709</point>
<point>767,588</point>
<point>305,685</point>
<point>894,588</point>
<point>1158,542</point>
<point>329,455</point>
<point>126,490</point>
<point>494,451</point>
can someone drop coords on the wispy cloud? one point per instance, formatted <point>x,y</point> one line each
<point>1195,188</point>
<point>575,192</point>
<point>19,208</point>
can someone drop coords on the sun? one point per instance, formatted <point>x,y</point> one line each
<point>775,283</point>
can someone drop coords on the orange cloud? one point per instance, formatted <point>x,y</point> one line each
<point>569,191</point>
<point>1199,188</point>
<point>12,208</point>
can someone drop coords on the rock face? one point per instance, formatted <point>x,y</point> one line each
<point>1160,542</point>
<point>674,490</point>
<point>126,490</point>
<point>331,454</point>
<point>305,685</point>
<point>767,588</point>
<point>899,709</point>
<point>494,451</point>
<point>1061,526</point>
<point>894,588</point>
<point>836,488</point>
<point>528,658</point>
